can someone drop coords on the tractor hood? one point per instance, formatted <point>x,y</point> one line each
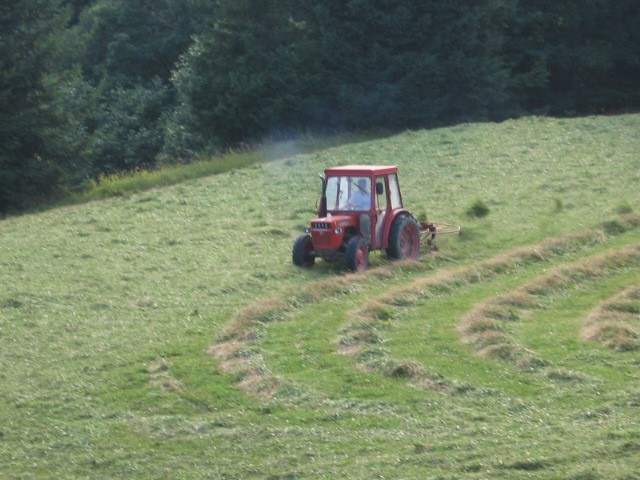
<point>331,222</point>
<point>327,233</point>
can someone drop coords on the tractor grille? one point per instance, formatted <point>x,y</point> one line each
<point>323,241</point>
<point>321,225</point>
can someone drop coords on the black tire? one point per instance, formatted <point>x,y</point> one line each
<point>357,258</point>
<point>302,248</point>
<point>404,239</point>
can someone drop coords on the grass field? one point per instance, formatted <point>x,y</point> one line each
<point>166,334</point>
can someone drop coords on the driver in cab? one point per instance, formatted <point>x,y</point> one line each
<point>360,199</point>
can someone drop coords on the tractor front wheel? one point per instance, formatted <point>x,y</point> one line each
<point>357,257</point>
<point>302,252</point>
<point>404,239</point>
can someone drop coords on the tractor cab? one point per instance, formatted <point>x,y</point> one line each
<point>360,210</point>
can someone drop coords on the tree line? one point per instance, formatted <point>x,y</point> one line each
<point>93,87</point>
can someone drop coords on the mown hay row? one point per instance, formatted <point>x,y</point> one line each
<point>616,322</point>
<point>236,346</point>
<point>486,327</point>
<point>487,270</point>
<point>363,337</point>
<point>446,281</point>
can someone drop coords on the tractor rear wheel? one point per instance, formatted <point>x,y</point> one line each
<point>302,248</point>
<point>404,239</point>
<point>357,257</point>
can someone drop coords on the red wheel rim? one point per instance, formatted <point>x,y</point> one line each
<point>409,242</point>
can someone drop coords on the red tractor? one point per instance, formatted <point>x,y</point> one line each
<point>360,210</point>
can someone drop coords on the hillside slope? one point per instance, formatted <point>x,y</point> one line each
<point>167,334</point>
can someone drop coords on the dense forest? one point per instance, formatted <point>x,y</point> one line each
<point>91,87</point>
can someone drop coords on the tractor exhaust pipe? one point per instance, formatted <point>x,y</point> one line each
<point>322,210</point>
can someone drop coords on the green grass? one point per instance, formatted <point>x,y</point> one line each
<point>123,184</point>
<point>127,183</point>
<point>110,312</point>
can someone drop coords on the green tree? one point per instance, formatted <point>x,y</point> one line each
<point>132,41</point>
<point>247,76</point>
<point>131,47</point>
<point>404,64</point>
<point>279,65</point>
<point>128,127</point>
<point>77,7</point>
<point>595,62</point>
<point>574,57</point>
<point>41,132</point>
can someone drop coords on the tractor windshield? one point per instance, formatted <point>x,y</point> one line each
<point>348,193</point>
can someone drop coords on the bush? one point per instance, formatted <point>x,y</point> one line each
<point>478,209</point>
<point>615,227</point>
<point>624,208</point>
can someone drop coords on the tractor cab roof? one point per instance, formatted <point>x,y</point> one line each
<point>363,170</point>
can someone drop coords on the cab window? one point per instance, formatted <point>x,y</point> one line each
<point>381,194</point>
<point>394,191</point>
<point>348,193</point>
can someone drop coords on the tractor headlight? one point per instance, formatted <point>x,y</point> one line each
<point>337,231</point>
<point>307,230</point>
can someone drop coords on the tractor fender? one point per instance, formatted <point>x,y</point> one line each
<point>400,212</point>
